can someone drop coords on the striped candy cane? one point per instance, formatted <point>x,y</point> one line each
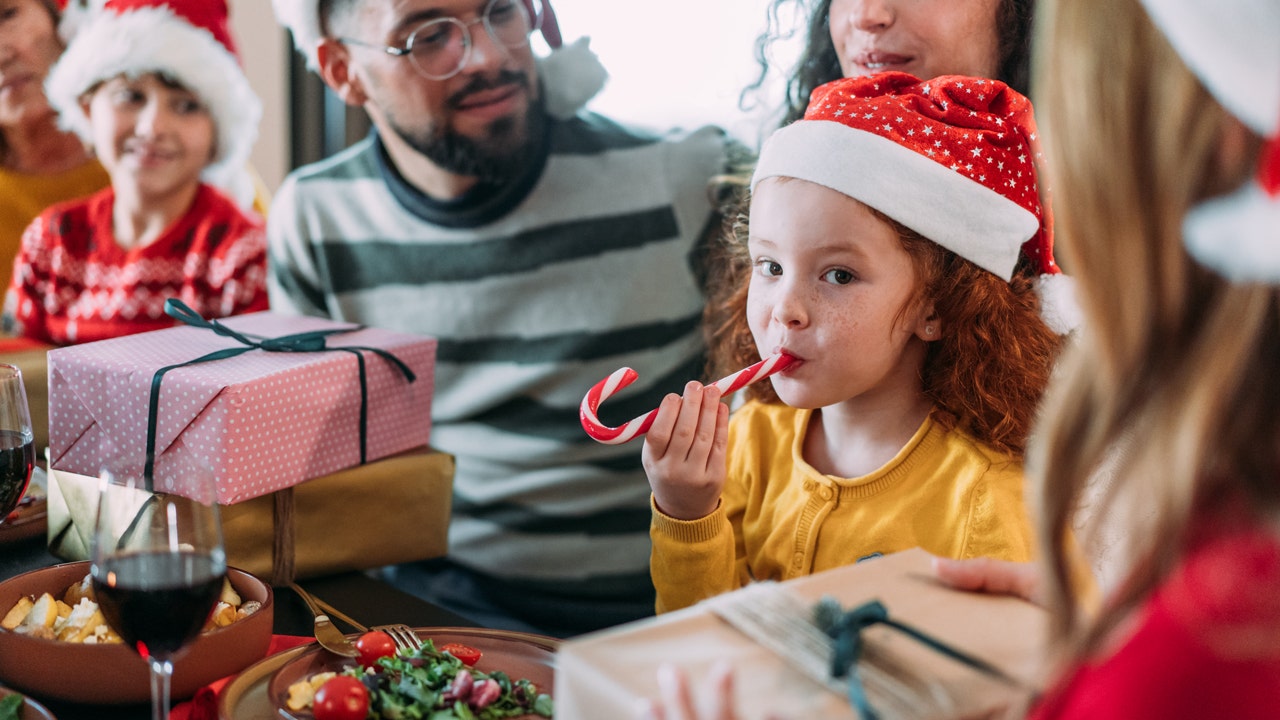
<point>629,430</point>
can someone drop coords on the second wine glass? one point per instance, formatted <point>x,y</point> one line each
<point>17,447</point>
<point>158,568</point>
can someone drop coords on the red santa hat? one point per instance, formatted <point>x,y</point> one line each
<point>1233,48</point>
<point>953,158</point>
<point>187,40</point>
<point>571,74</point>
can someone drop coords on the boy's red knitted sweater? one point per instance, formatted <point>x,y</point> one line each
<point>72,283</point>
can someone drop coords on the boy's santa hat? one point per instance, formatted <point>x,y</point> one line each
<point>571,74</point>
<point>69,14</point>
<point>953,158</point>
<point>1233,48</point>
<point>186,40</point>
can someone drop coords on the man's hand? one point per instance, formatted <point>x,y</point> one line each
<point>684,452</point>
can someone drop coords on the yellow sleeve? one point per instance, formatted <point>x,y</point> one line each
<point>691,560</point>
<point>999,524</point>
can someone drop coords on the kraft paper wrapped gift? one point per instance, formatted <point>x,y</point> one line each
<point>314,528</point>
<point>260,421</point>
<point>604,674</point>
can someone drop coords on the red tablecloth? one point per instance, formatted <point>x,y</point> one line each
<point>204,705</point>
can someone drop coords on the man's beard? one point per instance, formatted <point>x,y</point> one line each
<point>500,154</point>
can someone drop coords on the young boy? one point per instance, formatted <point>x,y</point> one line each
<point>156,88</point>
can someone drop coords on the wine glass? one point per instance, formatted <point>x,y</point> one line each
<point>158,568</point>
<point>17,443</point>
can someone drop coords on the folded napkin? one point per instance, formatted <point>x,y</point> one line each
<point>204,705</point>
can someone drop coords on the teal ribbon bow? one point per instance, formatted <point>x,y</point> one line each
<point>846,629</point>
<point>307,342</point>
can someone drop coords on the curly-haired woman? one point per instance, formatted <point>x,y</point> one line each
<point>926,38</point>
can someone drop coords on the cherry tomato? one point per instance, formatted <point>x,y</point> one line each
<point>374,645</point>
<point>341,698</point>
<point>467,654</point>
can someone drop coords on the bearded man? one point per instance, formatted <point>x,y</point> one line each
<point>543,245</point>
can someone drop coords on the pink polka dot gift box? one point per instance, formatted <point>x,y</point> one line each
<point>259,420</point>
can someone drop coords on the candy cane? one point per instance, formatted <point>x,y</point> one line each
<point>623,377</point>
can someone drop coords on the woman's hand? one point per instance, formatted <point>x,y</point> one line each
<point>999,577</point>
<point>684,452</point>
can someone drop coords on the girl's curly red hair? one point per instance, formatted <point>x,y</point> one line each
<point>987,372</point>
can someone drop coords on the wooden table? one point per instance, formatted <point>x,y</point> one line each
<point>366,599</point>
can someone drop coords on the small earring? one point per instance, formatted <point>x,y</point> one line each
<point>928,330</point>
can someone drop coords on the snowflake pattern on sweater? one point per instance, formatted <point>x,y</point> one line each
<point>73,283</point>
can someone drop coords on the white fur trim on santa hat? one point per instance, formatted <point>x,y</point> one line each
<point>1238,236</point>
<point>154,39</point>
<point>960,214</point>
<point>1233,46</point>
<point>74,16</point>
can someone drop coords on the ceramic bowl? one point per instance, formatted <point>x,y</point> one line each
<point>115,674</point>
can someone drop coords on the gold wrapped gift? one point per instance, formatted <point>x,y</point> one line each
<point>390,511</point>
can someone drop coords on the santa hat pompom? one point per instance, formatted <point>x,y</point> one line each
<point>1238,236</point>
<point>302,18</point>
<point>571,76</point>
<point>1059,307</point>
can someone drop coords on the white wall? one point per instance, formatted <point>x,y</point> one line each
<point>677,62</point>
<point>264,53</point>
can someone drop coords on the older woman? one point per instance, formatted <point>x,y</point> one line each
<point>927,38</point>
<point>39,163</point>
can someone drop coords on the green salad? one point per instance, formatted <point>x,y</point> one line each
<point>433,685</point>
<point>11,707</point>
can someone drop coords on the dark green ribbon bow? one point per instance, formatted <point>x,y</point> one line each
<point>846,629</point>
<point>307,342</point>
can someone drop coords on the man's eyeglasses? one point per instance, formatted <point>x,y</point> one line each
<point>440,48</point>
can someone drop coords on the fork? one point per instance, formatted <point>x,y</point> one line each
<point>405,638</point>
<point>327,634</point>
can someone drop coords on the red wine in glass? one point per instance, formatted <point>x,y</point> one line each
<point>158,567</point>
<point>17,449</point>
<point>158,601</point>
<point>17,458</point>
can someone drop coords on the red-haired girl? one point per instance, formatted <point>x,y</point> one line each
<point>896,246</point>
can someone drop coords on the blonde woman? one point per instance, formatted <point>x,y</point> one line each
<point>1160,119</point>
<point>1168,211</point>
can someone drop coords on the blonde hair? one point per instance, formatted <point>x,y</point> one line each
<point>1173,363</point>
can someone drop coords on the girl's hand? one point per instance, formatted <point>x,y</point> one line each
<point>684,452</point>
<point>999,577</point>
<point>676,701</point>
